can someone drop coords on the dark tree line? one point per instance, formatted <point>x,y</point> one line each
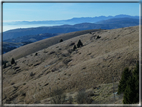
<point>129,85</point>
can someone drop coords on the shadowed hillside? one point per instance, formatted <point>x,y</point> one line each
<point>44,66</point>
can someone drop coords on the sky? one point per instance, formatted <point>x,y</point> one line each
<point>61,11</point>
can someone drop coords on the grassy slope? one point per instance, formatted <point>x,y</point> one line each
<point>36,46</point>
<point>95,63</point>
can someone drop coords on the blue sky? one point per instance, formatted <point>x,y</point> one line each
<point>61,11</point>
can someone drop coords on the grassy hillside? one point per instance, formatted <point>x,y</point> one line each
<point>45,65</point>
<point>36,46</point>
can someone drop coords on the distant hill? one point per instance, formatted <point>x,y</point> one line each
<point>107,24</point>
<point>8,46</point>
<point>34,31</point>
<point>125,21</point>
<point>31,38</point>
<point>14,43</point>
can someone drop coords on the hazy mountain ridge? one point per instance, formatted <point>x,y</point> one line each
<point>35,31</point>
<point>74,20</point>
<point>119,23</point>
<point>129,21</point>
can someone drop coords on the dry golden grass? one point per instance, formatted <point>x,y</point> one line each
<point>36,46</point>
<point>36,76</point>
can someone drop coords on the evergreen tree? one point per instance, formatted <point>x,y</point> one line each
<point>61,40</point>
<point>122,84</point>
<point>136,83</point>
<point>129,84</point>
<point>74,48</point>
<point>79,44</point>
<point>12,61</point>
<point>129,93</point>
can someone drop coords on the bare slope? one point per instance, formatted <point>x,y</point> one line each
<point>36,75</point>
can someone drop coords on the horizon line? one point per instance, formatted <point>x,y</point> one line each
<point>7,21</point>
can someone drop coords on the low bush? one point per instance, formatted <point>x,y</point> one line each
<point>83,98</point>
<point>58,97</point>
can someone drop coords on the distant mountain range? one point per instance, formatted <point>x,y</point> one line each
<point>72,21</point>
<point>104,24</point>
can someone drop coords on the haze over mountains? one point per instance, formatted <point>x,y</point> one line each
<point>74,20</point>
<point>76,24</point>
